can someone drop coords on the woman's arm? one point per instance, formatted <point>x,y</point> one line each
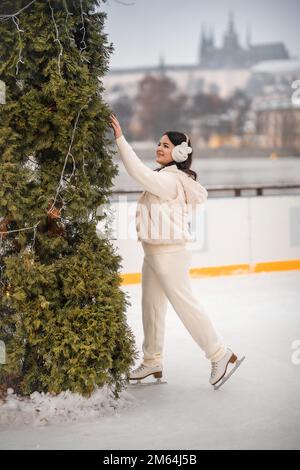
<point>161,184</point>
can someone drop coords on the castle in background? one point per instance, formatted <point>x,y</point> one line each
<point>232,54</point>
<point>218,70</point>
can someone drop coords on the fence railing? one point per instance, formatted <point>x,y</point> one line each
<point>257,189</point>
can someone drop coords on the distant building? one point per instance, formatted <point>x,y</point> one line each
<point>217,70</point>
<point>278,122</point>
<point>232,55</point>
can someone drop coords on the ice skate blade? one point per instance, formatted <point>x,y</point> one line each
<point>138,383</point>
<point>224,379</point>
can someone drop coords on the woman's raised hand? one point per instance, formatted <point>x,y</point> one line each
<point>116,126</point>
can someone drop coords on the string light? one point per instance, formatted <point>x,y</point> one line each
<point>82,28</point>
<point>19,229</point>
<point>24,229</point>
<point>34,236</point>
<point>69,154</point>
<point>15,19</point>
<point>83,35</point>
<point>67,11</point>
<point>7,17</point>
<point>20,61</point>
<point>56,40</point>
<point>83,162</point>
<point>61,181</point>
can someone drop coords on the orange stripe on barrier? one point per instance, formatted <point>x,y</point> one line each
<point>287,265</point>
<point>220,270</point>
<point>234,269</point>
<point>131,278</point>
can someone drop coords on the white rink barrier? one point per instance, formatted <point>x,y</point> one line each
<point>231,235</point>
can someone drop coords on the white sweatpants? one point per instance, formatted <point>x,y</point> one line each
<point>165,276</point>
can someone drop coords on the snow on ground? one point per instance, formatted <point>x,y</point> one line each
<point>258,408</point>
<point>42,409</point>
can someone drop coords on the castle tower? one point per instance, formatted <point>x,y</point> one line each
<point>161,64</point>
<point>211,37</point>
<point>248,38</point>
<point>206,46</point>
<point>231,42</point>
<point>202,44</point>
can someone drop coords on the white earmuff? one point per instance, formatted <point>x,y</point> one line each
<point>181,152</point>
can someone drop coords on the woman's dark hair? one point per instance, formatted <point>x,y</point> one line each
<point>177,138</point>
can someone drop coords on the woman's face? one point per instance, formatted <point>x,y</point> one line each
<point>163,150</point>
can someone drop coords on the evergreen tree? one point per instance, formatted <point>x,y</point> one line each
<point>62,310</point>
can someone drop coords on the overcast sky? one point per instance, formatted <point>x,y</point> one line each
<point>144,29</point>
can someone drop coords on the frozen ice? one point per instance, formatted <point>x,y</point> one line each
<point>257,315</point>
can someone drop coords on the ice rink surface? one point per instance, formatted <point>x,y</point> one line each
<point>257,315</point>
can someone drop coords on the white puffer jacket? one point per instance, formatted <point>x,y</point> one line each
<point>169,197</point>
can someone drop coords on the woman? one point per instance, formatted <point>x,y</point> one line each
<point>168,192</point>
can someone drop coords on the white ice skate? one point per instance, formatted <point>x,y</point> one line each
<point>144,371</point>
<point>219,373</point>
